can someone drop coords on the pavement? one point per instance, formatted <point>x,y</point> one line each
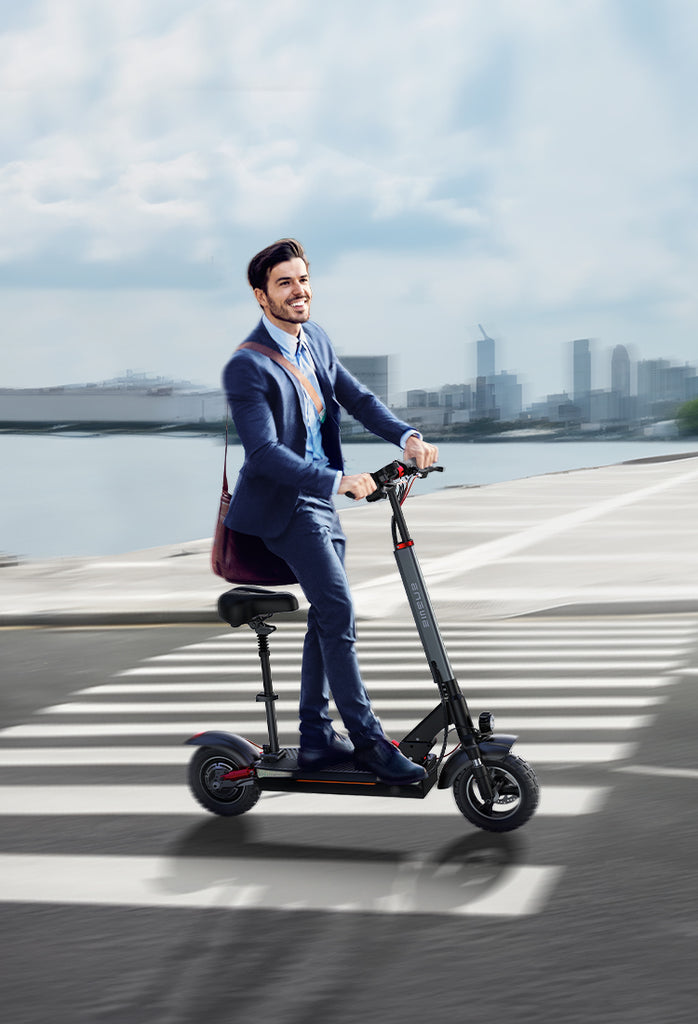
<point>615,540</point>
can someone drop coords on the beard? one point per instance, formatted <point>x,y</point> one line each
<point>284,311</point>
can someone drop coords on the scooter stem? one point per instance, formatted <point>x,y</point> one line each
<point>427,627</point>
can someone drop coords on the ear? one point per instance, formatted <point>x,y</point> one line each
<point>261,297</point>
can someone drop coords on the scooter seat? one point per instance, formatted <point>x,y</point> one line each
<point>242,604</point>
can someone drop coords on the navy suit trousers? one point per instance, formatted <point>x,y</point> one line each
<point>313,545</point>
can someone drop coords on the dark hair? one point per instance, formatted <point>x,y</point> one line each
<point>264,262</point>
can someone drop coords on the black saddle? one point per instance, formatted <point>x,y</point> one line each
<point>243,604</point>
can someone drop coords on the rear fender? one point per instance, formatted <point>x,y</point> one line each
<point>495,747</point>
<point>245,751</point>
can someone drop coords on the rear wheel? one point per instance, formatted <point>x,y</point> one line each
<point>222,796</point>
<point>515,791</point>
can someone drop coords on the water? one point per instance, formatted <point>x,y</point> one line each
<point>102,495</point>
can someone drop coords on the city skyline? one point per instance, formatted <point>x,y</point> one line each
<point>642,389</point>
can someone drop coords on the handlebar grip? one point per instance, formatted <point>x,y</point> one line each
<point>375,495</point>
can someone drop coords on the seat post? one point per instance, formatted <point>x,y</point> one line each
<point>267,697</point>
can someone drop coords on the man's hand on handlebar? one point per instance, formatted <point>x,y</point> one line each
<point>358,486</point>
<point>423,453</point>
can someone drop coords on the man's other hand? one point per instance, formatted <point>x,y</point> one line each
<point>424,454</point>
<point>360,485</point>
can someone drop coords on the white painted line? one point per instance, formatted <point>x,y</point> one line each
<point>556,801</point>
<point>392,725</point>
<point>49,757</point>
<point>667,773</point>
<point>379,595</point>
<point>400,686</point>
<point>379,632</point>
<point>604,558</point>
<point>472,665</point>
<point>27,757</point>
<point>289,706</point>
<point>524,638</point>
<point>573,753</point>
<point>350,886</point>
<point>398,654</point>
<point>521,890</point>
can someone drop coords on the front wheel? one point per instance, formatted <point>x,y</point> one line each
<point>515,790</point>
<point>206,770</point>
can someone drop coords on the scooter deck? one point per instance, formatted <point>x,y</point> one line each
<point>283,773</point>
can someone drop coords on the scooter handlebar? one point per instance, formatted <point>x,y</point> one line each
<point>391,474</point>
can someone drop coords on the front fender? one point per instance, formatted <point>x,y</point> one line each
<point>245,750</point>
<point>496,748</point>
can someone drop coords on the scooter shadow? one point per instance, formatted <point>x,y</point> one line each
<point>226,855</point>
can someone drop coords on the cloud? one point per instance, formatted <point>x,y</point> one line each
<point>529,164</point>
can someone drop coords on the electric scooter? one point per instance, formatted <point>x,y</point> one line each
<point>493,788</point>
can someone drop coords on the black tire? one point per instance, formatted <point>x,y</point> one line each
<point>226,798</point>
<point>516,794</point>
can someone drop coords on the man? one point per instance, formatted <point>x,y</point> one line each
<point>292,467</point>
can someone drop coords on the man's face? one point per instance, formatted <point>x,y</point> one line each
<point>286,300</point>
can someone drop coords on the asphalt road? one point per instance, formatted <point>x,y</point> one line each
<point>112,912</point>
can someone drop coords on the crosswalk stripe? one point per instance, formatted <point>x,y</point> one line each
<point>291,706</point>
<point>25,757</point>
<point>548,680</point>
<point>474,665</point>
<point>401,685</point>
<point>388,648</point>
<point>555,801</point>
<point>405,886</point>
<point>514,724</point>
<point>401,657</point>
<point>505,627</point>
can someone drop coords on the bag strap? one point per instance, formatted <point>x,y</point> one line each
<point>287,365</point>
<point>225,457</point>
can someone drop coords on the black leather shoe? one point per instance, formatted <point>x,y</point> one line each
<point>338,749</point>
<point>384,759</point>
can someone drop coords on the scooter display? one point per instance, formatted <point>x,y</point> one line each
<point>493,788</point>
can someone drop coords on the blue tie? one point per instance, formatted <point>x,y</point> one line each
<point>307,368</point>
<point>313,448</point>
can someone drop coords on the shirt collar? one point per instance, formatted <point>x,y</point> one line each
<point>286,342</point>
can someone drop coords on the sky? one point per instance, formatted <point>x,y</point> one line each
<point>527,165</point>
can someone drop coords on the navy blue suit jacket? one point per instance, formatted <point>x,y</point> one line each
<point>267,408</point>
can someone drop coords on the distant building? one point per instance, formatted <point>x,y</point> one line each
<point>557,409</point>
<point>457,396</point>
<point>485,355</point>
<point>417,398</point>
<point>508,397</point>
<point>620,371</point>
<point>372,371</point>
<point>581,375</point>
<point>133,400</point>
<point>661,387</point>
<point>485,404</point>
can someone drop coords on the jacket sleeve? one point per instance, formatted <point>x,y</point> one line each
<point>253,399</point>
